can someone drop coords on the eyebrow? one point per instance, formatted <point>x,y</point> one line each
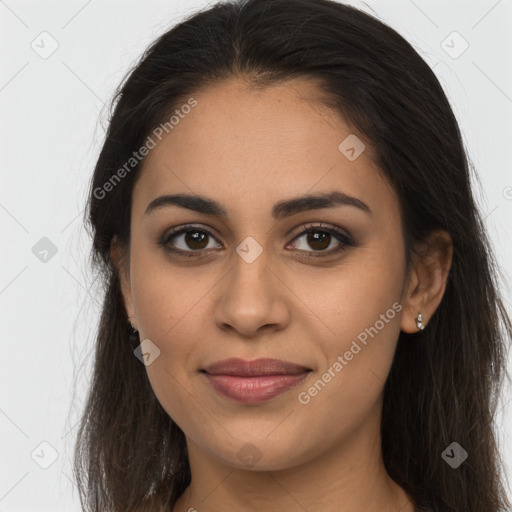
<point>280,210</point>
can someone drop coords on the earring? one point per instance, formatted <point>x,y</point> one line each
<point>134,334</point>
<point>419,322</point>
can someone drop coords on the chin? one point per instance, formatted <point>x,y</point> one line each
<point>260,454</point>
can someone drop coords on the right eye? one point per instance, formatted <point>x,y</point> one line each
<point>192,240</point>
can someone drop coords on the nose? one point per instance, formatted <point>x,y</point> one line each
<point>251,299</point>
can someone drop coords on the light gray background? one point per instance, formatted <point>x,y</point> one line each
<point>52,125</point>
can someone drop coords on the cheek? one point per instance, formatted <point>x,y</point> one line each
<point>166,297</point>
<point>366,323</point>
<point>168,305</point>
<point>351,383</point>
<point>364,291</point>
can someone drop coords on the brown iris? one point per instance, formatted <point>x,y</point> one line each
<point>196,239</point>
<point>319,237</point>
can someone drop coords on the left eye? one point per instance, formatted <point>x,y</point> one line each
<point>318,239</point>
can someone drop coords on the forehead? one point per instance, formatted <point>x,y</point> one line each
<point>246,145</point>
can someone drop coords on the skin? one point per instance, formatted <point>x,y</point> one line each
<point>248,150</point>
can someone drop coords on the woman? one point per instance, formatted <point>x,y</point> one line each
<point>301,310</point>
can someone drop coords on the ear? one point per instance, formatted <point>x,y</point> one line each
<point>426,282</point>
<point>122,265</point>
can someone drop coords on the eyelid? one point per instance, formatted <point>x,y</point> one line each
<point>323,226</point>
<point>186,227</point>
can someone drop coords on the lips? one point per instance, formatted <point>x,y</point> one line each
<point>253,381</point>
<point>259,367</point>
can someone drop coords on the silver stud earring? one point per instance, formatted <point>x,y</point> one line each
<point>419,322</point>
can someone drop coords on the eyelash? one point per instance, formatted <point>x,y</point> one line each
<point>343,239</point>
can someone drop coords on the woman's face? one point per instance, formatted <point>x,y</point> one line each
<point>253,283</point>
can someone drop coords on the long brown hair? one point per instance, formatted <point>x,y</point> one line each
<point>444,382</point>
